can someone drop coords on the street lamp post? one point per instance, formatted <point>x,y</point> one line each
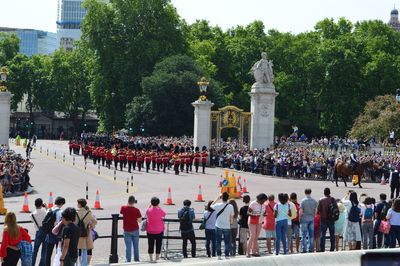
<point>203,84</point>
<point>112,112</point>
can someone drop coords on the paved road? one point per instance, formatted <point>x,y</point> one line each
<point>51,174</point>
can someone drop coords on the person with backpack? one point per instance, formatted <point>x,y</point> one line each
<point>52,218</point>
<point>380,213</point>
<point>186,216</point>
<point>393,216</point>
<point>294,223</point>
<point>37,218</point>
<point>329,213</point>
<point>85,222</point>
<point>244,225</point>
<point>353,215</point>
<point>223,223</point>
<point>367,223</point>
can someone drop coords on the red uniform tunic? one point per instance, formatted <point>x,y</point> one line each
<point>204,156</point>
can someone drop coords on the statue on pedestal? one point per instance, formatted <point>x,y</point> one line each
<point>262,70</point>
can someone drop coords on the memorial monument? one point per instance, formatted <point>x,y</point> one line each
<point>5,100</point>
<point>262,104</point>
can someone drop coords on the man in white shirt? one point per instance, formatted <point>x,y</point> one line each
<point>37,218</point>
<point>223,222</point>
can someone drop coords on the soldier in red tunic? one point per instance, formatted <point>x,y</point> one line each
<point>182,156</point>
<point>70,146</point>
<point>94,155</point>
<point>187,159</point>
<point>159,160</point>
<point>129,158</point>
<point>204,155</point>
<point>147,160</point>
<point>84,152</point>
<point>121,158</point>
<point>197,158</point>
<point>165,160</point>
<point>176,160</point>
<point>109,158</point>
<point>139,158</point>
<point>154,158</point>
<point>103,155</point>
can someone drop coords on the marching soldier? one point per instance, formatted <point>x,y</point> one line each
<point>109,158</point>
<point>182,157</point>
<point>129,158</point>
<point>197,157</point>
<point>103,155</point>
<point>85,152</point>
<point>115,157</point>
<point>159,160</point>
<point>176,160</point>
<point>187,159</point>
<point>147,160</point>
<point>94,155</point>
<point>121,158</point>
<point>154,158</point>
<point>139,158</point>
<point>204,155</point>
<point>165,161</point>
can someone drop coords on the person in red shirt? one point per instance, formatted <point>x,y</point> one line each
<point>13,234</point>
<point>204,156</point>
<point>131,219</point>
<point>197,157</point>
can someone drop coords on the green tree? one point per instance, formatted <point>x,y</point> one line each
<point>71,81</point>
<point>379,116</point>
<point>128,37</point>
<point>165,107</point>
<point>9,46</point>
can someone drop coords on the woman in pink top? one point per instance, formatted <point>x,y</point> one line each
<point>269,221</point>
<point>155,227</point>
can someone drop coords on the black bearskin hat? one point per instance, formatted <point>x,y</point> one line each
<point>197,149</point>
<point>204,148</point>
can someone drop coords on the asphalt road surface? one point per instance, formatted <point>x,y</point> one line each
<point>52,174</point>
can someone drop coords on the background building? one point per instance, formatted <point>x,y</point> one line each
<point>34,41</point>
<point>394,19</point>
<point>70,14</point>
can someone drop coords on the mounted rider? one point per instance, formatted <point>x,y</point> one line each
<point>353,160</point>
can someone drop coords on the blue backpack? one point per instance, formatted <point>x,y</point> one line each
<point>354,214</point>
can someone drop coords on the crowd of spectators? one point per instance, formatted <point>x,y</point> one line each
<point>14,171</point>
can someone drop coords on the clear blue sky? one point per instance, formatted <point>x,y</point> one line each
<point>284,15</point>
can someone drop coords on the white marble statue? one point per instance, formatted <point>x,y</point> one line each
<point>262,70</point>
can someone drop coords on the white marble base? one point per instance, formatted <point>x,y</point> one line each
<point>202,123</point>
<point>262,115</point>
<point>5,99</point>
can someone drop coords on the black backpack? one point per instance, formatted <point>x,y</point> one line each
<point>185,224</point>
<point>354,214</point>
<point>49,221</point>
<point>82,228</point>
<point>333,211</point>
<point>385,209</point>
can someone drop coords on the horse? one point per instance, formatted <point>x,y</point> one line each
<point>344,170</point>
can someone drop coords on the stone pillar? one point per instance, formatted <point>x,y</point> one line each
<point>5,99</point>
<point>202,123</point>
<point>262,115</point>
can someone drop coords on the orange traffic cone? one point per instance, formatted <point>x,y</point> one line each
<point>50,205</point>
<point>383,182</point>
<point>169,199</point>
<point>199,196</point>
<point>25,207</point>
<point>97,205</point>
<point>244,189</point>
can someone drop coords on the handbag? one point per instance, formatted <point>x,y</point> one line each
<point>144,223</point>
<point>384,227</point>
<point>204,222</point>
